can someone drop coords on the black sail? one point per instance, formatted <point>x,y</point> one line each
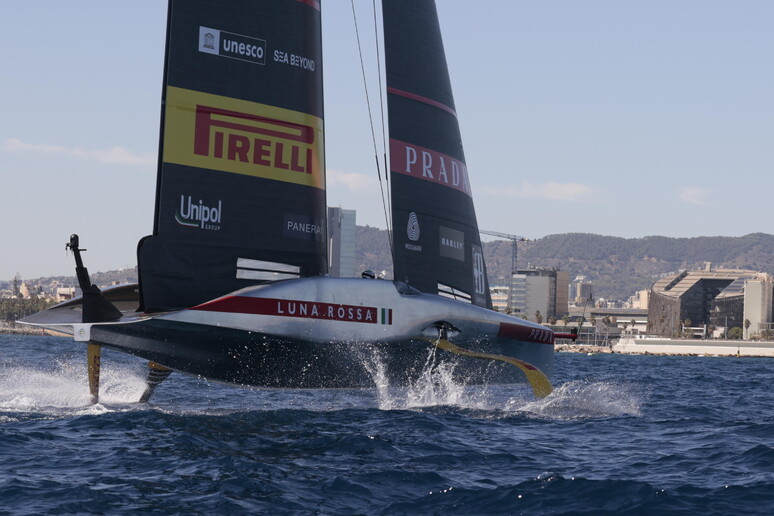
<point>437,247</point>
<point>241,188</point>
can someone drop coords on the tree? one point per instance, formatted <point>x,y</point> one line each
<point>565,319</point>
<point>747,328</point>
<point>735,333</point>
<point>539,317</point>
<point>12,309</point>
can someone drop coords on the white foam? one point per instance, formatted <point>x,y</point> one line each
<point>584,400</point>
<point>26,389</point>
<point>435,386</point>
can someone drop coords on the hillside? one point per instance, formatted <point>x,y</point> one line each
<point>618,267</point>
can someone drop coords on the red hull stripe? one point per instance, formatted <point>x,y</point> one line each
<point>525,333</point>
<point>420,98</point>
<point>294,308</point>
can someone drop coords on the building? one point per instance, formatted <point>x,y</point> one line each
<point>499,296</point>
<point>758,306</point>
<point>710,299</point>
<point>580,291</point>
<point>539,289</point>
<point>640,299</point>
<point>341,243</point>
<point>64,294</point>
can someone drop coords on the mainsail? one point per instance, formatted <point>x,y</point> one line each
<point>241,189</point>
<point>437,247</point>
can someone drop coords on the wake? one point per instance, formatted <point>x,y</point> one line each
<point>584,399</point>
<point>65,388</point>
<point>436,386</point>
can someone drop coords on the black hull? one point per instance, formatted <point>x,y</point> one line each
<point>258,360</point>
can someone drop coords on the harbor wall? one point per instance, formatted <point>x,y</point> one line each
<point>661,346</point>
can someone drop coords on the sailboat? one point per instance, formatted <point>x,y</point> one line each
<point>233,284</point>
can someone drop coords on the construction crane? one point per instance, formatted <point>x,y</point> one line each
<point>515,239</point>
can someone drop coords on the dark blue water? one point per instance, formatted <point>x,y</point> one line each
<point>620,435</point>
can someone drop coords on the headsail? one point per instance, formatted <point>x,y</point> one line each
<point>241,188</point>
<point>437,245</point>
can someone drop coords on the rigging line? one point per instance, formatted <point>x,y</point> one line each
<point>383,126</point>
<point>370,116</point>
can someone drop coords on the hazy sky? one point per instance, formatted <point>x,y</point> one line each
<point>617,118</point>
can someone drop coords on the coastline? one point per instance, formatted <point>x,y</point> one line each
<point>21,329</point>
<point>691,347</point>
<point>625,346</point>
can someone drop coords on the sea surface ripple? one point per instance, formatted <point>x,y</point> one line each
<point>619,435</point>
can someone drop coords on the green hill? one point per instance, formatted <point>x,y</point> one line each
<point>617,267</point>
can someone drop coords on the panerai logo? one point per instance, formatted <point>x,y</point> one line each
<point>199,215</point>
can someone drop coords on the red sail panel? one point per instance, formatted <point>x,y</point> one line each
<point>436,239</point>
<point>241,172</point>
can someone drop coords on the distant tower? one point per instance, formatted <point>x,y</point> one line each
<point>581,290</point>
<point>341,243</point>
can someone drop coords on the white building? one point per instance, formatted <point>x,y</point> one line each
<point>539,289</point>
<point>758,304</point>
<point>341,243</point>
<point>499,298</point>
<point>531,294</point>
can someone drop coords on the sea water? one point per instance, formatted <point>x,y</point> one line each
<point>620,434</point>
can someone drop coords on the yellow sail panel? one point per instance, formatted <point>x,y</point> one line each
<point>232,135</point>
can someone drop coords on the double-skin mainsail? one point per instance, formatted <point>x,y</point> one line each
<point>241,182</point>
<point>437,247</point>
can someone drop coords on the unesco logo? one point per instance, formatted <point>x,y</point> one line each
<point>234,46</point>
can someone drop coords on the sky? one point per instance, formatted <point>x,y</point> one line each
<point>627,119</point>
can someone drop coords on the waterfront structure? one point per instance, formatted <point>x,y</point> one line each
<point>341,242</point>
<point>712,299</point>
<point>640,345</point>
<point>758,306</point>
